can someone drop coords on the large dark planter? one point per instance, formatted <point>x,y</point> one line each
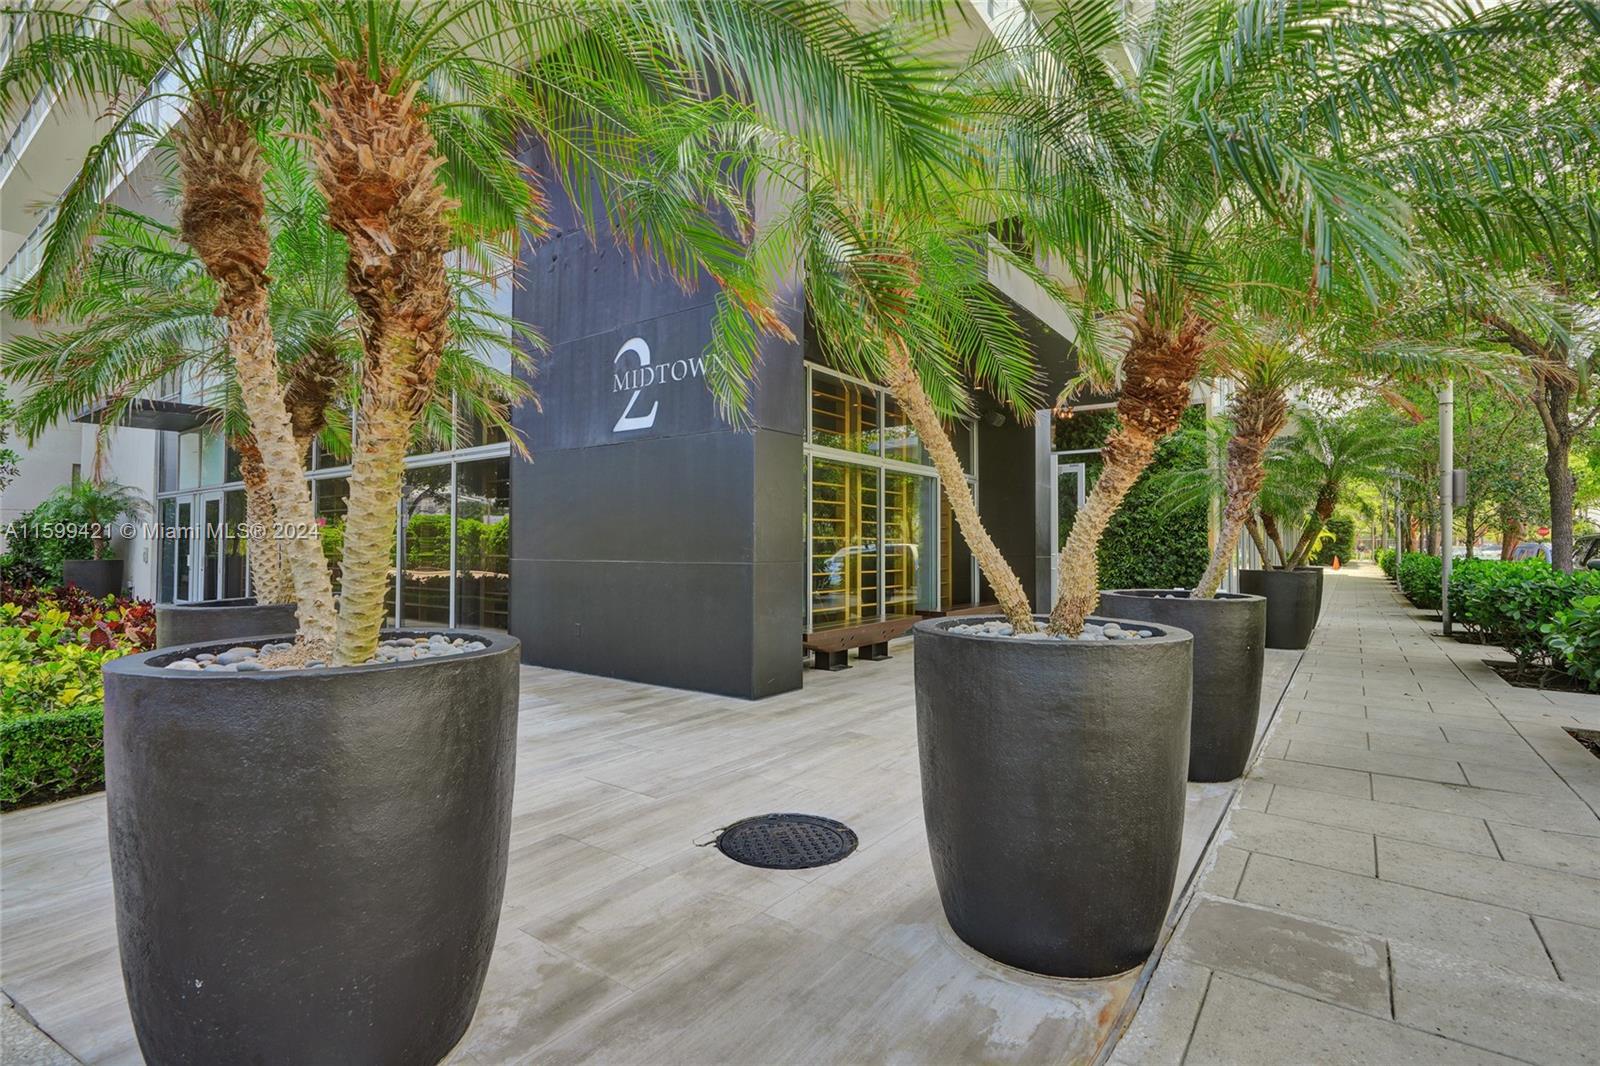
<point>1319,572</point>
<point>178,624</point>
<point>1053,791</point>
<point>97,577</point>
<point>308,865</point>
<point>1292,597</point>
<point>1230,633</point>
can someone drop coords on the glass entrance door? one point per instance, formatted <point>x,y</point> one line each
<point>1068,489</point>
<point>208,549</point>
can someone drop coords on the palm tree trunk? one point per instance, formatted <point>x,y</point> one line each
<point>1253,525</point>
<point>1156,375</point>
<point>1270,525</point>
<point>223,219</point>
<point>1327,499</point>
<point>1258,415</point>
<point>377,164</point>
<point>907,388</point>
<point>1125,456</point>
<point>269,576</point>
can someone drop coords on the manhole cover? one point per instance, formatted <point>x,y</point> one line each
<point>787,841</point>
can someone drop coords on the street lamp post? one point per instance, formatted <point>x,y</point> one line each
<point>1447,444</point>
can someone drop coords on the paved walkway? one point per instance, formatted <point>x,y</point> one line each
<point>621,940</point>
<point>1410,874</point>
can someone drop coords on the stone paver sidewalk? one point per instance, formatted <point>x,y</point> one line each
<point>1410,874</point>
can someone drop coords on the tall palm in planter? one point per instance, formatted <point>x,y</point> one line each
<point>140,311</point>
<point>208,56</point>
<point>364,935</point>
<point>1036,795</point>
<point>1149,142</point>
<point>1312,468</point>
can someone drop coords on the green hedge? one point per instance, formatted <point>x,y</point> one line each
<point>1543,617</point>
<point>1573,639</point>
<point>1420,578</point>
<point>1386,562</point>
<point>51,756</point>
<point>1147,546</point>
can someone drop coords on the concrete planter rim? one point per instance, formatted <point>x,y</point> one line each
<point>152,664</point>
<point>231,603</point>
<point>1155,634</point>
<point>1186,595</point>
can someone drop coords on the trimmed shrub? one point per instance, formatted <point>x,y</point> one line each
<point>1521,602</point>
<point>1471,581</point>
<point>1516,605</point>
<point>52,646</point>
<point>36,546</point>
<point>1146,545</point>
<point>1337,537</point>
<point>1573,639</point>
<point>51,756</point>
<point>1420,578</point>
<point>1386,562</point>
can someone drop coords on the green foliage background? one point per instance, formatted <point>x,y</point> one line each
<point>1145,547</point>
<point>1341,543</point>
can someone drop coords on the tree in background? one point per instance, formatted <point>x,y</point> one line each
<point>8,457</point>
<point>1151,145</point>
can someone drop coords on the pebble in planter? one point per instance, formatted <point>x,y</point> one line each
<point>244,659</point>
<point>1091,631</point>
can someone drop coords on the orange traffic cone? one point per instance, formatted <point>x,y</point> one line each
<point>1336,562</point>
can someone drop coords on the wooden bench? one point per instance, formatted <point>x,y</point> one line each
<point>831,647</point>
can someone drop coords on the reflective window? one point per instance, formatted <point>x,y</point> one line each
<point>188,460</point>
<point>879,534</point>
<point>910,544</point>
<point>844,544</point>
<point>213,459</point>
<point>332,499</point>
<point>233,544</point>
<point>844,415</point>
<point>425,547</point>
<point>483,543</point>
<point>898,440</point>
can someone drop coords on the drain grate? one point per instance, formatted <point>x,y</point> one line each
<point>787,841</point>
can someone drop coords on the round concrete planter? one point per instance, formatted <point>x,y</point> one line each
<point>1053,791</point>
<point>178,624</point>
<point>1230,633</point>
<point>308,865</point>
<point>1292,597</point>
<point>1319,572</point>
<point>97,577</point>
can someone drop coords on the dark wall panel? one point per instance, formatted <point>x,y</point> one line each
<point>1007,488</point>
<point>651,540</point>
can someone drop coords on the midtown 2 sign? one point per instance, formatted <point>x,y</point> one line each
<point>647,375</point>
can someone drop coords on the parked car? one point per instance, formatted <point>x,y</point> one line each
<point>1586,552</point>
<point>1531,549</point>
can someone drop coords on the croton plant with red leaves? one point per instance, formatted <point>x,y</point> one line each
<point>103,621</point>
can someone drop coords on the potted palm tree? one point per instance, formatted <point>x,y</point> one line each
<point>87,512</point>
<point>1311,468</point>
<point>1266,358</point>
<point>335,896</point>
<point>1229,628</point>
<point>1152,155</point>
